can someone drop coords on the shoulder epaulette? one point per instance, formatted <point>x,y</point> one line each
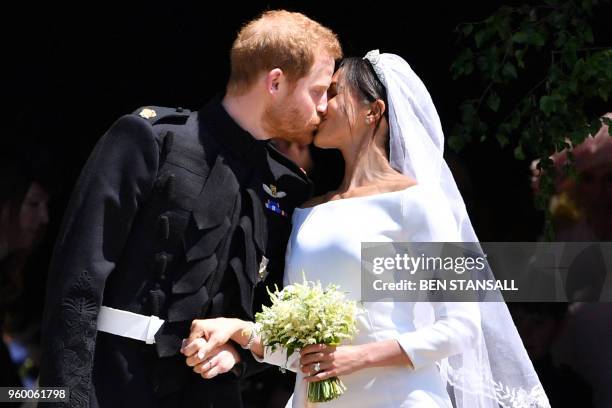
<point>159,114</point>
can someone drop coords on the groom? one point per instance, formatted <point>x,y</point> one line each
<point>181,215</point>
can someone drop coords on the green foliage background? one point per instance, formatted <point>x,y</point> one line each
<point>537,75</point>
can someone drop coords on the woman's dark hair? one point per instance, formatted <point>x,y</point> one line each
<point>359,75</point>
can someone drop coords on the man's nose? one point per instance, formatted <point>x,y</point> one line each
<point>322,106</point>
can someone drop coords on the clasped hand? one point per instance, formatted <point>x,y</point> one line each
<point>207,349</point>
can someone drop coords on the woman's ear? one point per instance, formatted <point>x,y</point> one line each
<point>273,80</point>
<point>376,111</point>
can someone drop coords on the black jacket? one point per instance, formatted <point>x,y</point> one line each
<point>171,216</point>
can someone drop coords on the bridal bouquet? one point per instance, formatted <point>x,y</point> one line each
<point>305,314</point>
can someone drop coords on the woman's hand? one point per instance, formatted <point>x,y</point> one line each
<point>219,361</point>
<point>333,361</point>
<point>342,360</point>
<point>215,332</point>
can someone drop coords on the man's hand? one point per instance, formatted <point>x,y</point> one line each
<point>218,361</point>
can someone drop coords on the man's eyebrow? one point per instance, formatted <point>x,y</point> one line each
<point>321,85</point>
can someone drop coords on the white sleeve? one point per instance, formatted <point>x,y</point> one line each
<point>455,325</point>
<point>279,358</point>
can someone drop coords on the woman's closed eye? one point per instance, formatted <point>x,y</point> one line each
<point>332,90</point>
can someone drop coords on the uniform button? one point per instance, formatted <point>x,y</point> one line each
<point>170,183</point>
<point>164,226</point>
<point>162,264</point>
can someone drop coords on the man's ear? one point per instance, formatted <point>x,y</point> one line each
<point>273,80</point>
<point>377,110</point>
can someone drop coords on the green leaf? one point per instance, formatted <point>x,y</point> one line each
<point>456,143</point>
<point>479,37</point>
<point>515,121</point>
<point>603,94</point>
<point>561,38</point>
<point>483,64</point>
<point>546,104</point>
<point>569,52</point>
<point>557,19</point>
<point>533,15</point>
<point>518,153</point>
<point>493,101</point>
<point>587,5</point>
<point>468,113</point>
<point>509,71</point>
<point>538,39</point>
<point>468,68</point>
<point>463,64</point>
<point>594,126</point>
<point>467,29</point>
<point>554,74</point>
<point>502,139</point>
<point>521,37</point>
<point>579,69</point>
<point>505,128</point>
<point>480,126</point>
<point>579,135</point>
<point>588,35</point>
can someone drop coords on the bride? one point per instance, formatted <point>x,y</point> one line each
<point>396,187</point>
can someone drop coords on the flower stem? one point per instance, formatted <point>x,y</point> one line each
<point>325,390</point>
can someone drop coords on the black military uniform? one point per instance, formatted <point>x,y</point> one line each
<point>176,214</point>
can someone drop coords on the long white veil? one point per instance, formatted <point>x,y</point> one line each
<point>496,371</point>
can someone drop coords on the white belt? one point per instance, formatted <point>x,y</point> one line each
<point>128,324</point>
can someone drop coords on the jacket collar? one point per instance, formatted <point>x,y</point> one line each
<point>228,133</point>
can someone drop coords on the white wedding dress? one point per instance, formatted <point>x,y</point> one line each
<point>325,245</point>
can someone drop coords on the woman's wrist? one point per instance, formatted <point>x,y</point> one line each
<point>364,356</point>
<point>242,331</point>
<point>383,353</point>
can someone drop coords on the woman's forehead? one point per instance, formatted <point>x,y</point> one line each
<point>340,72</point>
<point>339,79</point>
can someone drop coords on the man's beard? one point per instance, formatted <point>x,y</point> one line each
<point>285,122</point>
